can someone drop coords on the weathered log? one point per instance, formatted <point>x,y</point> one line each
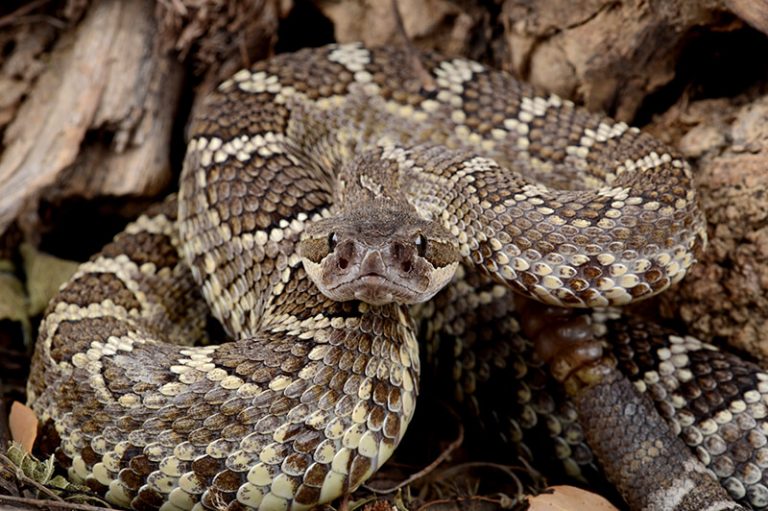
<point>105,74</point>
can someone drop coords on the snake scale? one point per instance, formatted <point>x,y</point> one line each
<point>334,214</point>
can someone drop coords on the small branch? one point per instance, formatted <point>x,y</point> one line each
<point>426,470</point>
<point>11,18</point>
<point>22,477</point>
<point>458,502</point>
<point>48,504</point>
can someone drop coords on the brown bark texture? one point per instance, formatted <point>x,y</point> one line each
<point>94,96</point>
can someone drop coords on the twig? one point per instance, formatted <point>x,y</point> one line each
<point>48,504</point>
<point>509,470</point>
<point>426,470</point>
<point>28,480</point>
<point>11,18</point>
<point>498,502</point>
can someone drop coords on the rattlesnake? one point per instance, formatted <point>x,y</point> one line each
<point>336,164</point>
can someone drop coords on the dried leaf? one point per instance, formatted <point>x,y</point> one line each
<point>23,423</point>
<point>45,274</point>
<point>13,300</point>
<point>568,498</point>
<point>39,471</point>
<point>43,473</point>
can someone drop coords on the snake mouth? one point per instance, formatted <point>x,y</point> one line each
<point>376,289</point>
<point>377,272</point>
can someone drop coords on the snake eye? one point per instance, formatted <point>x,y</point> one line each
<point>421,245</point>
<point>333,239</point>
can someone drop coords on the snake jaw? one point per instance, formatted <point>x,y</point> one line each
<point>392,272</point>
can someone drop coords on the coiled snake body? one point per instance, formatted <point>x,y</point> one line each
<point>340,150</point>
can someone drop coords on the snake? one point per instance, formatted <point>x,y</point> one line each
<point>337,213</point>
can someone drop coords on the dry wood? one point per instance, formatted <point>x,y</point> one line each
<point>218,37</point>
<point>754,12</point>
<point>437,24</point>
<point>105,74</point>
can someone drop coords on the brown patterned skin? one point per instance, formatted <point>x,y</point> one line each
<point>305,409</point>
<point>651,468</point>
<point>645,459</point>
<point>476,155</point>
<point>313,395</point>
<point>716,402</point>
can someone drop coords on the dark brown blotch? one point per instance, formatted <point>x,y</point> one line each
<point>97,287</point>
<point>144,247</point>
<point>441,253</point>
<point>314,249</point>
<point>206,466</point>
<point>228,481</point>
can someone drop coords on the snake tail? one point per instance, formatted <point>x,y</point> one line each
<point>642,457</point>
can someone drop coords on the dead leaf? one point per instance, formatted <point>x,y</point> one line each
<point>44,473</point>
<point>568,498</point>
<point>45,274</point>
<point>13,300</point>
<point>23,423</point>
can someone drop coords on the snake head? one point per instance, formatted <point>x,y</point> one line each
<point>378,256</point>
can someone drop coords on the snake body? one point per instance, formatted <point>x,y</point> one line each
<point>509,189</point>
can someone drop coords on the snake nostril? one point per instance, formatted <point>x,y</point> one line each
<point>406,266</point>
<point>342,263</point>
